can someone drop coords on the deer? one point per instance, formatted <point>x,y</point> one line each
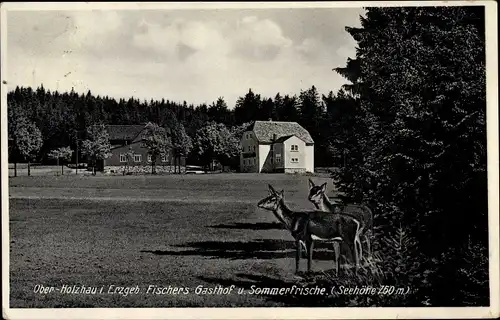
<point>317,195</point>
<point>308,226</point>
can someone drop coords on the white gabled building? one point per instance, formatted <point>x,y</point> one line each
<point>276,146</point>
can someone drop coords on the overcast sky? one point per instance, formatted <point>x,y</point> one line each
<point>192,55</point>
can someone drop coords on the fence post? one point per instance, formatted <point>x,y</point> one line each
<point>76,169</point>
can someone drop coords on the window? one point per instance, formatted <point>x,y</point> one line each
<point>149,158</point>
<point>253,148</point>
<point>278,158</point>
<point>295,160</point>
<point>123,157</point>
<point>294,147</point>
<point>137,157</point>
<point>164,158</point>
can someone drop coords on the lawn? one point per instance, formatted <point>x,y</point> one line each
<point>180,231</point>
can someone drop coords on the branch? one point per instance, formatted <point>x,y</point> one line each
<point>464,119</point>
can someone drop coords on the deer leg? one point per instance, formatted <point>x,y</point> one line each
<point>303,246</point>
<point>358,251</point>
<point>336,250</point>
<point>359,236</point>
<point>298,253</point>
<point>368,248</point>
<point>298,232</point>
<point>310,245</point>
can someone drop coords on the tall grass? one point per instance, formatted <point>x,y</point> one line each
<point>397,262</point>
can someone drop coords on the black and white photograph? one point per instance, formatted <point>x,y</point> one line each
<point>194,159</point>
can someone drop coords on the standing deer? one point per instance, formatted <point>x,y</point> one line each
<point>308,226</point>
<point>317,195</point>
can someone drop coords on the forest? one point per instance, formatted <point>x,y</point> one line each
<point>408,132</point>
<point>63,118</point>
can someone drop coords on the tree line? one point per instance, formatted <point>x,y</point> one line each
<point>199,132</point>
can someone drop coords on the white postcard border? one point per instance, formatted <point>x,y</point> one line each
<point>267,313</point>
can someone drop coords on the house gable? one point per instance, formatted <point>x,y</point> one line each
<point>248,143</point>
<point>294,153</point>
<point>285,138</point>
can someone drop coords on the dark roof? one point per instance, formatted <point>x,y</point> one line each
<point>124,132</point>
<point>265,130</point>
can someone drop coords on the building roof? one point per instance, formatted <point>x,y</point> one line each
<point>265,130</point>
<point>124,132</point>
<point>284,138</point>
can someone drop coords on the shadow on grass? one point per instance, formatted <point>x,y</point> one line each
<point>251,226</point>
<point>252,283</point>
<point>254,249</point>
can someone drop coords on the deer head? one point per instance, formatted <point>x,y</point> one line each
<point>271,202</point>
<point>316,192</point>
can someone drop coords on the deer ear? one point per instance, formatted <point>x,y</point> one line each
<point>311,183</point>
<point>323,187</point>
<point>271,189</point>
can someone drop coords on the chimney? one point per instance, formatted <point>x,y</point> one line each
<point>274,136</point>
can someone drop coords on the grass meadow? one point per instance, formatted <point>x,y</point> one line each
<point>177,230</point>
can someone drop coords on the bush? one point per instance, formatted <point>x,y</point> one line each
<point>396,261</point>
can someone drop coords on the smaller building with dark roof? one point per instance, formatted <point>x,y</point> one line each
<point>277,146</point>
<point>127,140</point>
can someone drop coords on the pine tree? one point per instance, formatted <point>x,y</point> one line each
<point>421,135</point>
<point>247,108</point>
<point>311,118</point>
<point>289,109</point>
